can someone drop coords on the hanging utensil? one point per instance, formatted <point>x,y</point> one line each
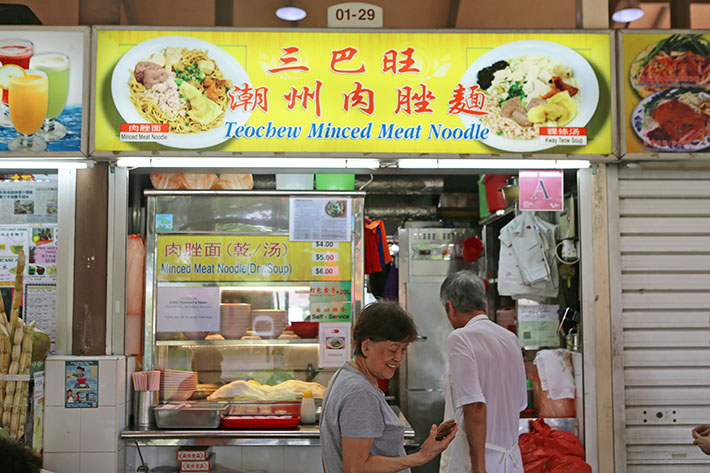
<point>143,468</point>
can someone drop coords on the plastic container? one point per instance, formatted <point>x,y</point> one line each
<point>335,182</point>
<point>294,182</point>
<point>308,408</point>
<point>494,197</point>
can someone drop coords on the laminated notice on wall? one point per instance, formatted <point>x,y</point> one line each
<point>334,340</point>
<point>537,325</point>
<point>320,218</point>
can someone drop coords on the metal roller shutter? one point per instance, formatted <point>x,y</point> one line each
<point>660,283</point>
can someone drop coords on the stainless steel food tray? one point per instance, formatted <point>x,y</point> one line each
<point>193,416</point>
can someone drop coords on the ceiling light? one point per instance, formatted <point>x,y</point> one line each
<point>493,164</point>
<point>291,13</point>
<point>626,11</point>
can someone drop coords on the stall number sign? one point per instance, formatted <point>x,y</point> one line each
<point>541,190</point>
<point>354,15</point>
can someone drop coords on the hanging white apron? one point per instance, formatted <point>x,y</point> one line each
<point>507,455</point>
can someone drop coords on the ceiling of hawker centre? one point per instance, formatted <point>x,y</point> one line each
<point>430,14</point>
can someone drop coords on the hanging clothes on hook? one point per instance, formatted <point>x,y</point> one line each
<point>377,253</point>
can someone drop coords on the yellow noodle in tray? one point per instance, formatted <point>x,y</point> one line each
<point>182,87</point>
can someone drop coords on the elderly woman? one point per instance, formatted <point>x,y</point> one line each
<point>359,431</point>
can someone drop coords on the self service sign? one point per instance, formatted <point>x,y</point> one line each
<point>288,91</point>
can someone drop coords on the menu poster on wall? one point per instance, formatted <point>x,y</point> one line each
<point>319,218</point>
<point>666,92</point>
<point>81,385</point>
<point>334,340</point>
<point>188,309</point>
<point>42,85</point>
<point>40,306</point>
<point>352,92</point>
<point>32,201</point>
<point>13,239</point>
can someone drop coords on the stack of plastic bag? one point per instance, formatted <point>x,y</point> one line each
<point>556,373</point>
<point>528,266</point>
<point>551,451</point>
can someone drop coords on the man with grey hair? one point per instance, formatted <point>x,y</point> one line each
<point>486,383</point>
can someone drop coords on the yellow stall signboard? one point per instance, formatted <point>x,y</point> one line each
<point>666,93</point>
<point>209,258</point>
<point>350,92</point>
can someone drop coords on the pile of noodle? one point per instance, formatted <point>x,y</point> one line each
<point>180,122</point>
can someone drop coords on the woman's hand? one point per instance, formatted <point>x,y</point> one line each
<point>702,441</point>
<point>432,447</point>
<point>702,430</point>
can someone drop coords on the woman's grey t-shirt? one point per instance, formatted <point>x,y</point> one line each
<point>354,407</point>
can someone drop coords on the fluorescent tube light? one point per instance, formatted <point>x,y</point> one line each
<point>354,163</point>
<point>493,164</point>
<point>250,163</point>
<point>43,164</point>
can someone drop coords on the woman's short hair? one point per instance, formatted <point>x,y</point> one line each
<point>383,320</point>
<point>465,291</point>
<point>18,457</point>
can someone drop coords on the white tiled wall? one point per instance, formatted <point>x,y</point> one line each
<point>86,440</point>
<point>243,459</point>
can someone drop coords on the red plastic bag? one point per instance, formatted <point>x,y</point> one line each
<point>567,464</point>
<point>551,451</point>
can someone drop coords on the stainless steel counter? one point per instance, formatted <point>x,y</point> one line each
<point>303,435</point>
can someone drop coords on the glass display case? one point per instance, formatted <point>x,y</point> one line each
<point>239,283</point>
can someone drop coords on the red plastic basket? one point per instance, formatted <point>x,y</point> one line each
<point>261,422</point>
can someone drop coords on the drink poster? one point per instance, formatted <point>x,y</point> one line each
<point>666,93</point>
<point>13,239</point>
<point>350,92</point>
<point>42,258</point>
<point>81,385</point>
<point>43,89</point>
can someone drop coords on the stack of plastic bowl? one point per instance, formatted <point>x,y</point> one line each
<point>234,320</point>
<point>177,385</point>
<point>268,323</point>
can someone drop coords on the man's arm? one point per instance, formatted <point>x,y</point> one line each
<point>474,420</point>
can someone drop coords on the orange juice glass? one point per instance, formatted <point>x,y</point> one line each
<point>28,108</point>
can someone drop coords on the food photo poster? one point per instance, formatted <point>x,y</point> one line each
<point>666,92</point>
<point>43,88</point>
<point>223,92</point>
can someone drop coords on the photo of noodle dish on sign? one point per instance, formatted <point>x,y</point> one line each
<point>674,120</point>
<point>183,82</point>
<point>526,85</point>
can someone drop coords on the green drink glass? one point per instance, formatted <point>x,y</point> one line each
<point>56,66</point>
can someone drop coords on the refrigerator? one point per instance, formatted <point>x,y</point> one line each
<point>426,257</point>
